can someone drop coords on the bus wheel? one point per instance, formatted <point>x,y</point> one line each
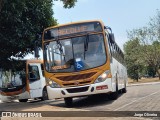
<point>114,95</point>
<point>44,94</point>
<point>23,100</point>
<point>68,101</point>
<point>124,90</point>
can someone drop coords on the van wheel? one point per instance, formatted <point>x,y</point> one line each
<point>23,100</point>
<point>4,101</point>
<point>68,101</point>
<point>44,94</point>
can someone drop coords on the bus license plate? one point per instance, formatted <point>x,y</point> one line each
<point>102,87</point>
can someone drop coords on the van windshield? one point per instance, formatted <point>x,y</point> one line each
<point>10,79</point>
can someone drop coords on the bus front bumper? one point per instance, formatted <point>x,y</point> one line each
<point>97,88</point>
<point>9,98</point>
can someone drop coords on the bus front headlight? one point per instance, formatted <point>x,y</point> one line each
<point>53,84</point>
<point>103,76</point>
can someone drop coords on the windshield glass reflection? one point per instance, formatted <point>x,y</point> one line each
<point>75,54</point>
<point>10,79</point>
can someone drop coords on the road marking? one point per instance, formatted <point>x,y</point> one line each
<point>136,100</point>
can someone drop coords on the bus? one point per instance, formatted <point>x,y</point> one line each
<point>24,80</point>
<point>82,59</point>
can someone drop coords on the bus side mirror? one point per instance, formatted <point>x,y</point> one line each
<point>111,37</point>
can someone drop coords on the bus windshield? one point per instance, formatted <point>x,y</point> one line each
<point>75,54</point>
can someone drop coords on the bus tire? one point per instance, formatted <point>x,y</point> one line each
<point>114,95</point>
<point>23,100</point>
<point>44,94</point>
<point>124,90</point>
<point>68,102</point>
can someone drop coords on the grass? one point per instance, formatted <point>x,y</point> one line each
<point>143,80</point>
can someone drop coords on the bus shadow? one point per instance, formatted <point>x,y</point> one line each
<point>15,105</point>
<point>44,102</point>
<point>79,103</point>
<point>90,101</point>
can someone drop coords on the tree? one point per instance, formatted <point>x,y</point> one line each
<point>134,64</point>
<point>149,40</point>
<point>69,3</point>
<point>20,22</point>
<point>151,56</point>
<point>1,2</point>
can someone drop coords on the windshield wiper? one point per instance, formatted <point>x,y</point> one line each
<point>86,45</point>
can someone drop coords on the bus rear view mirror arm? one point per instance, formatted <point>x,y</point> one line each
<point>111,35</point>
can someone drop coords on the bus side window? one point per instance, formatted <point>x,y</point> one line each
<point>110,48</point>
<point>114,51</point>
<point>33,73</point>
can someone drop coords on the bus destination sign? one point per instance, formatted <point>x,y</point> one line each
<point>72,29</point>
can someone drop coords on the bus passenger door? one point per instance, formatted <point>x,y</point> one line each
<point>35,82</point>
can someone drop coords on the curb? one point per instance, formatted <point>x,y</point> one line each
<point>140,84</point>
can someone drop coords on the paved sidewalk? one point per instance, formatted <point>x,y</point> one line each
<point>139,84</point>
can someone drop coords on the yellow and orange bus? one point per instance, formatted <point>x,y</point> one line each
<point>81,59</point>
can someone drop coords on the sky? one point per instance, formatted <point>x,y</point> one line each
<point>120,15</point>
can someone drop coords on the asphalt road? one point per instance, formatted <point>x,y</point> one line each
<point>138,98</point>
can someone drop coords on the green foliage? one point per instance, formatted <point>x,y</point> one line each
<point>151,71</point>
<point>1,2</point>
<point>68,3</point>
<point>134,64</point>
<point>143,49</point>
<point>20,22</point>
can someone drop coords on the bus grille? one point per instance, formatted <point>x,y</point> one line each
<point>75,90</point>
<point>76,77</point>
<point>79,83</point>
